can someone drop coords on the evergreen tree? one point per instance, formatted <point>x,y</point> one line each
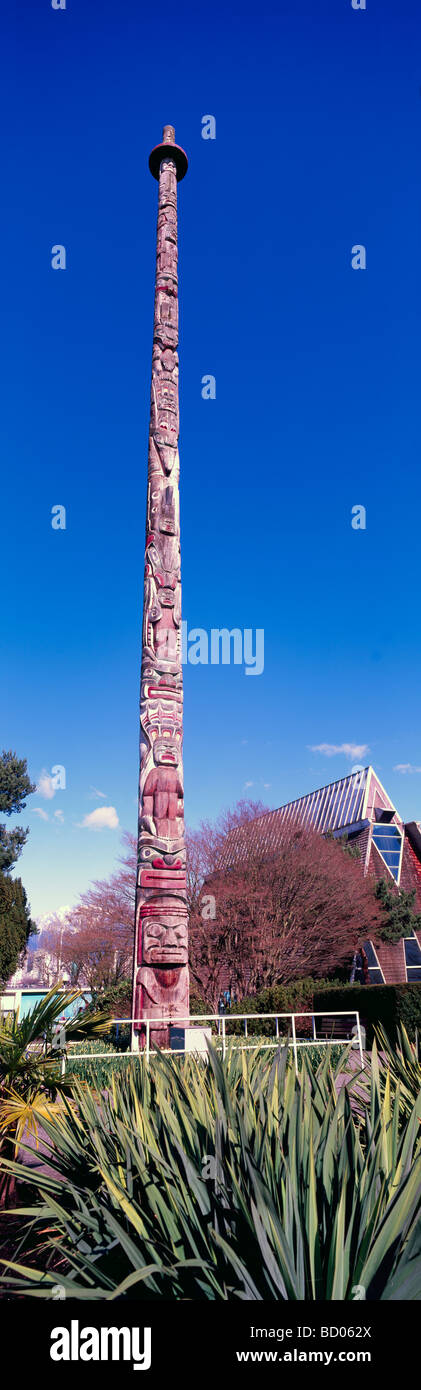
<point>15,786</point>
<point>15,924</point>
<point>399,916</point>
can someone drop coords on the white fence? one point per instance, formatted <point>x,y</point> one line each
<point>222,1020</point>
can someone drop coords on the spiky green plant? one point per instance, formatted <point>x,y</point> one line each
<point>30,1071</point>
<point>228,1181</point>
<point>404,1064</point>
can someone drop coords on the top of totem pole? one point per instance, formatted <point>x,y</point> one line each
<point>168,150</point>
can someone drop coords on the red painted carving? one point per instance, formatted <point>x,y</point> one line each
<point>154,878</point>
<point>161,984</point>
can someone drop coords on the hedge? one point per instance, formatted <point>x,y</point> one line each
<point>282,999</point>
<point>388,1005</point>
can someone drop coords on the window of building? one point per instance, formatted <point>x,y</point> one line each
<point>376,976</point>
<point>412,958</point>
<point>388,841</point>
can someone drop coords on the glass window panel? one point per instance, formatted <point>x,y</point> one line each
<point>371,955</point>
<point>387,839</point>
<point>412,951</point>
<point>375,976</point>
<point>413,972</point>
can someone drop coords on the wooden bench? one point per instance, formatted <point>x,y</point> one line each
<point>327,1027</point>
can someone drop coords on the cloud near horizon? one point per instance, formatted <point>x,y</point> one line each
<point>351,750</point>
<point>104,818</point>
<point>38,811</point>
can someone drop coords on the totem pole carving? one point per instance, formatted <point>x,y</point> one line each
<point>161,977</point>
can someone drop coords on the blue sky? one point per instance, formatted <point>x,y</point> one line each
<point>317,111</point>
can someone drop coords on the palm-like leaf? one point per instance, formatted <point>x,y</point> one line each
<point>30,1059</point>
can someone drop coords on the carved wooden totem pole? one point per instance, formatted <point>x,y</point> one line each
<point>161,976</point>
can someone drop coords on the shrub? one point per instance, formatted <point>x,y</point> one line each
<point>290,998</point>
<point>399,916</point>
<point>385,1006</point>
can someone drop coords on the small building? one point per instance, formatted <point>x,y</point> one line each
<point>356,807</point>
<point>21,1001</point>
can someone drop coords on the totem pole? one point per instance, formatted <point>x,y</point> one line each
<point>160,975</point>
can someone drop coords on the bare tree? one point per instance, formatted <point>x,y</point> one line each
<point>300,910</point>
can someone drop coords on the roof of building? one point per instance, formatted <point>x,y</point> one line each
<point>347,803</point>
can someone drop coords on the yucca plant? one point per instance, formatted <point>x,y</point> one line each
<point>236,1181</point>
<point>403,1063</point>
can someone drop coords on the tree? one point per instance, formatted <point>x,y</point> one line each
<point>15,786</point>
<point>300,910</point>
<point>398,916</point>
<point>15,925</point>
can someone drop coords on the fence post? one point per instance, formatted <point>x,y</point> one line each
<point>147,1039</point>
<point>223,1037</point>
<point>277,1026</point>
<point>63,1065</point>
<point>245,1028</point>
<point>360,1041</point>
<point>294,1044</point>
<point>314,1027</point>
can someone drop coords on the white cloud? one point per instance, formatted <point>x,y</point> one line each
<point>330,750</point>
<point>94,792</point>
<point>406,767</point>
<point>267,785</point>
<point>38,811</point>
<point>46,786</point>
<point>248,784</point>
<point>105,817</point>
<point>59,815</point>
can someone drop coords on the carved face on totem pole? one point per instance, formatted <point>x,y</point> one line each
<point>164,933</point>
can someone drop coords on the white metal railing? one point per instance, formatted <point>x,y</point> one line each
<point>222,1019</point>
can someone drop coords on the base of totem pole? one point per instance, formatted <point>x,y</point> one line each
<point>159,1037</point>
<point>191,1039</point>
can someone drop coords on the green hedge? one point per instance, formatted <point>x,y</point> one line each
<point>388,1005</point>
<point>282,999</point>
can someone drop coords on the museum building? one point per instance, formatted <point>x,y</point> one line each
<point>356,807</point>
